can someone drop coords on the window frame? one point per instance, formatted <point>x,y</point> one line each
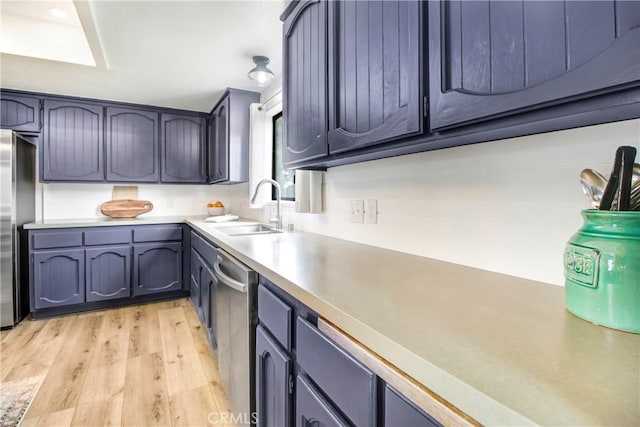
<point>274,118</point>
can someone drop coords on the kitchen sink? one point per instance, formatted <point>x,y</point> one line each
<point>245,230</point>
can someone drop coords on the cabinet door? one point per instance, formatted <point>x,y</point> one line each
<point>312,409</point>
<point>305,82</point>
<point>58,278</point>
<point>132,145</point>
<point>493,58</point>
<point>221,146</point>
<point>209,286</point>
<point>108,273</point>
<point>157,268</point>
<point>273,377</point>
<point>21,113</point>
<point>375,51</point>
<point>73,142</point>
<point>196,274</point>
<point>182,148</point>
<point>205,286</point>
<point>211,148</point>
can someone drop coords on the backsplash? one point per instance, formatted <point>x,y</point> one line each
<point>65,200</point>
<point>506,206</point>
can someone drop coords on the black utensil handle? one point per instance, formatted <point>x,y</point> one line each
<point>612,184</point>
<point>626,176</point>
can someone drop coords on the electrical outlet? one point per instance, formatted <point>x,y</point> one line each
<point>371,211</point>
<point>357,211</point>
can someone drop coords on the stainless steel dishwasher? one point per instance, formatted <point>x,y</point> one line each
<point>236,318</point>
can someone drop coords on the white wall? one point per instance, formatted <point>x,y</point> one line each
<point>506,206</point>
<point>73,201</point>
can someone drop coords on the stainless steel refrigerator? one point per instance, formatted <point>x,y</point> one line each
<point>17,207</point>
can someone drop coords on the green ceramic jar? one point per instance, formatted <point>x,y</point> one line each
<point>602,270</point>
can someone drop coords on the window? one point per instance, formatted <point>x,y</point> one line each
<point>283,176</point>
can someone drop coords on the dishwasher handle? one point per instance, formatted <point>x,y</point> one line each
<point>223,278</point>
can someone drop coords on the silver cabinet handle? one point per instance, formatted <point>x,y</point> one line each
<point>232,283</point>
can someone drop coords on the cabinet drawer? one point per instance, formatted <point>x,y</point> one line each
<point>343,379</point>
<point>157,233</point>
<point>206,250</point>
<point>275,315</point>
<point>59,239</point>
<point>399,412</point>
<point>108,236</point>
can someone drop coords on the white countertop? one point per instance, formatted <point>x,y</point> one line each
<point>502,349</point>
<point>107,221</point>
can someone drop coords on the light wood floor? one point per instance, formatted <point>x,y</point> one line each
<point>134,366</point>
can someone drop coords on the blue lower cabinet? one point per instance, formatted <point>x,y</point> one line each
<point>209,288</point>
<point>205,286</point>
<point>349,384</point>
<point>157,267</point>
<point>312,409</point>
<point>332,387</point>
<point>195,293</point>
<point>400,412</point>
<point>196,277</point>
<point>108,273</point>
<point>71,267</point>
<point>273,382</point>
<point>58,278</point>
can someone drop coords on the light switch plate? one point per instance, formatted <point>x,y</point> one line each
<point>371,211</point>
<point>357,211</point>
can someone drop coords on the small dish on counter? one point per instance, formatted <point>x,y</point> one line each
<point>215,211</point>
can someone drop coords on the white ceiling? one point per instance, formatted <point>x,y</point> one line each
<point>48,30</point>
<point>180,54</point>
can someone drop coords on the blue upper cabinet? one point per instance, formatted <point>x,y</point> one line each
<point>352,76</point>
<point>72,147</point>
<point>20,112</point>
<point>132,145</point>
<point>489,59</point>
<point>305,82</point>
<point>182,148</point>
<point>228,137</point>
<point>219,161</point>
<point>374,79</point>
<point>211,146</point>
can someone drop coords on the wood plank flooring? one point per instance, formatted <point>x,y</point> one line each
<point>145,365</point>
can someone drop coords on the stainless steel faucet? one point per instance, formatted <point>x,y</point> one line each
<point>278,219</point>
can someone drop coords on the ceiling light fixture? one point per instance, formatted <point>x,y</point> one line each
<point>58,13</point>
<point>260,73</point>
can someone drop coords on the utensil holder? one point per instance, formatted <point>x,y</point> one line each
<point>602,270</point>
